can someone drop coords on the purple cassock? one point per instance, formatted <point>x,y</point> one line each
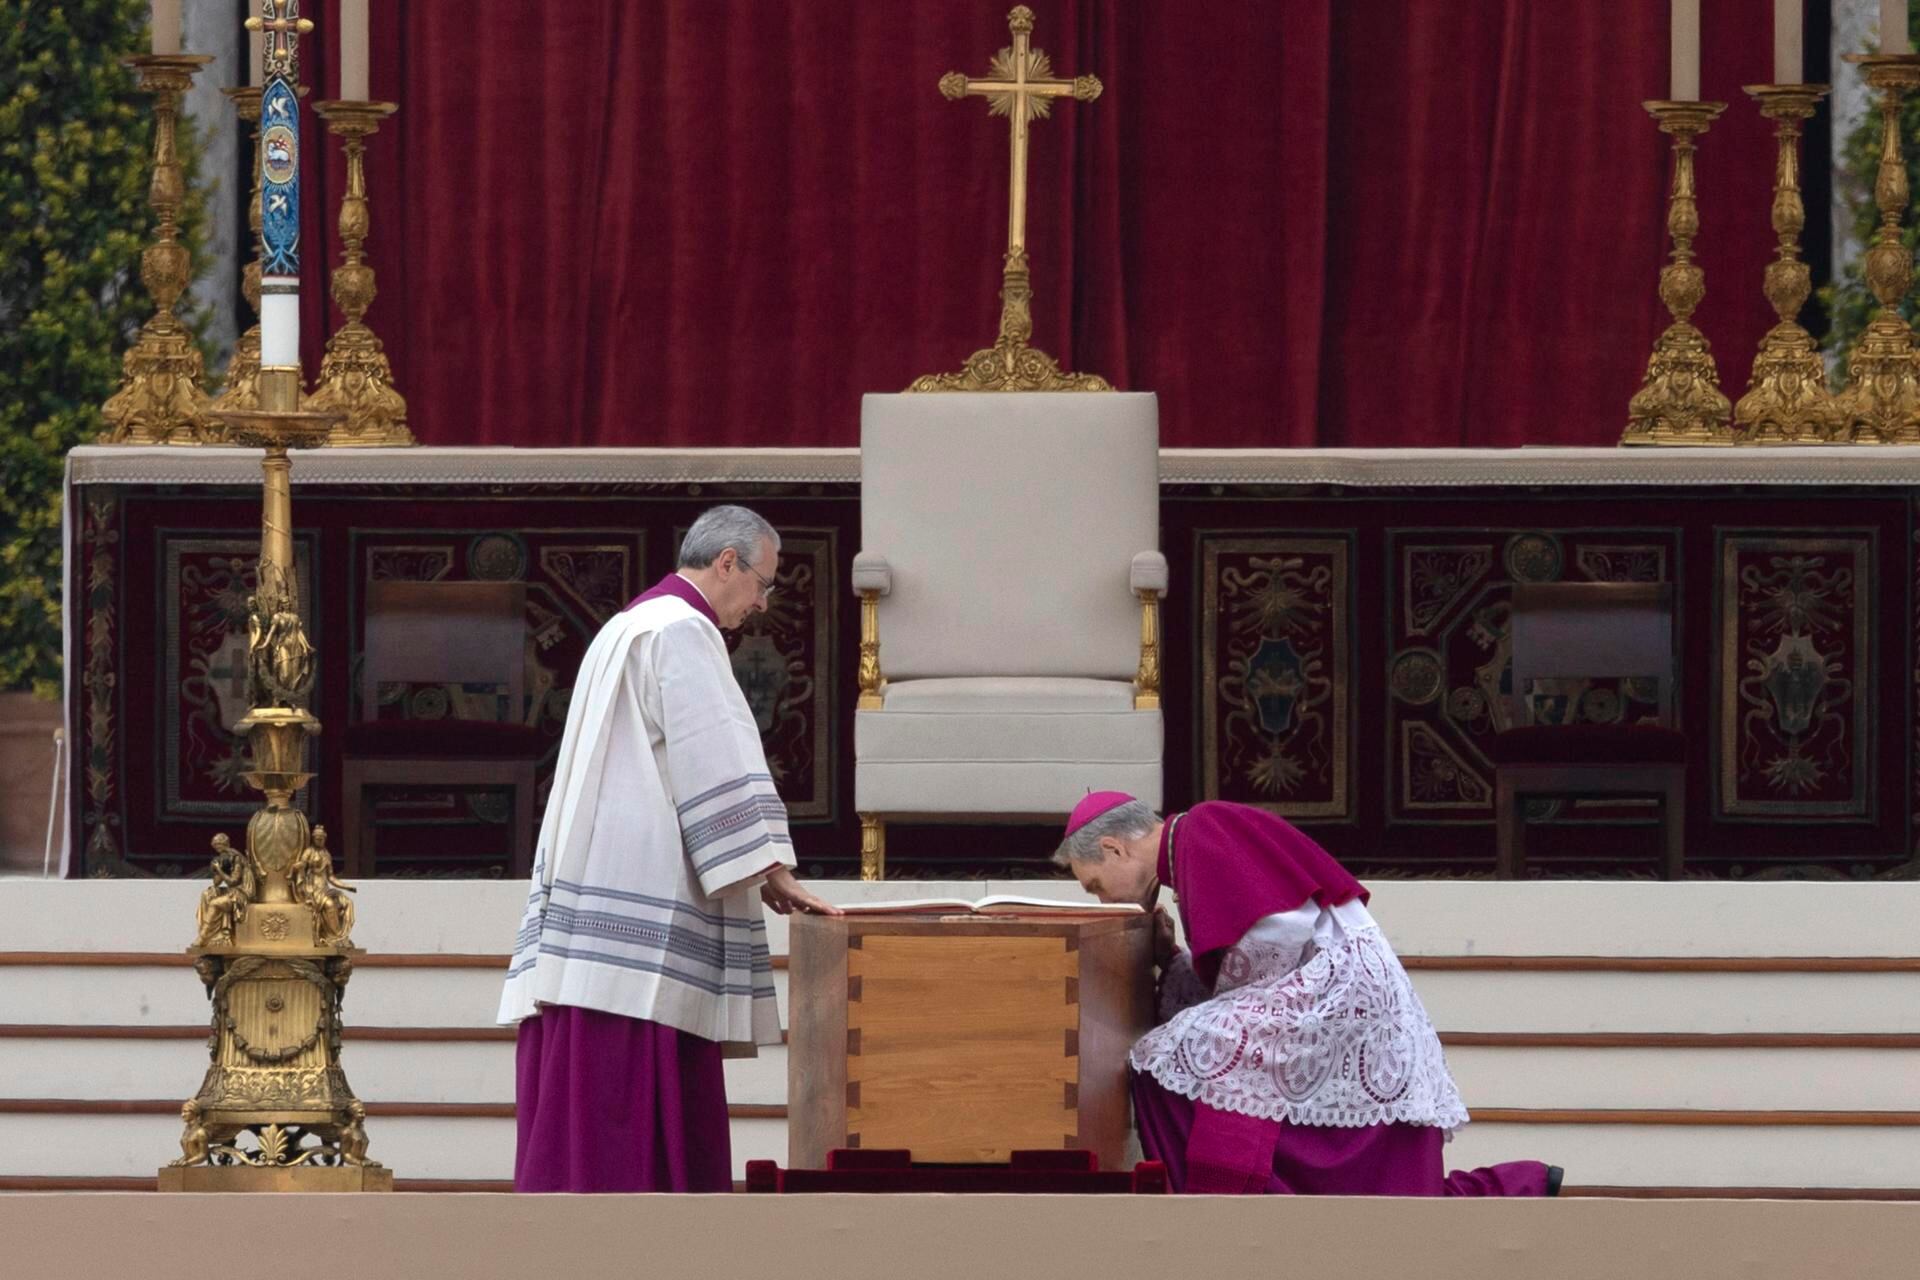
<point>608,1103</point>
<point>1325,1027</point>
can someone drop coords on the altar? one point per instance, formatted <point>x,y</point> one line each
<point>1335,638</point>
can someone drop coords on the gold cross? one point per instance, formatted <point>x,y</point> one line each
<point>279,21</point>
<point>1021,86</point>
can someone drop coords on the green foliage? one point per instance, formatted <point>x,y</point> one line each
<point>75,144</point>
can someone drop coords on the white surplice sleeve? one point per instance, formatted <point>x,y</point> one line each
<point>732,822</point>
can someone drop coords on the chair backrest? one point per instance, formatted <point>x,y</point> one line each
<point>445,633</point>
<point>1592,629</point>
<point>1010,520</point>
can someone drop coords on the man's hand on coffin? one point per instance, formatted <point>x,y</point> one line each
<point>783,894</point>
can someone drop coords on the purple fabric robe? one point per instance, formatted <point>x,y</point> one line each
<point>606,1103</point>
<point>614,1104</point>
<point>1232,865</point>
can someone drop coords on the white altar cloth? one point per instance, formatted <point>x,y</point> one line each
<point>1824,465</point>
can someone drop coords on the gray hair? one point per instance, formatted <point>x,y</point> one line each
<point>1127,821</point>
<point>720,528</point>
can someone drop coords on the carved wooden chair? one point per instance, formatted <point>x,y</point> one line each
<point>1569,634</point>
<point>441,633</point>
<point>1009,662</point>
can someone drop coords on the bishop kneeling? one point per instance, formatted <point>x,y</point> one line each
<point>1292,1055</point>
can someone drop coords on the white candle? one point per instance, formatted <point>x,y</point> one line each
<point>1686,51</point>
<point>1787,59</point>
<point>280,328</point>
<point>166,26</point>
<point>353,50</point>
<point>256,57</point>
<point>1893,27</point>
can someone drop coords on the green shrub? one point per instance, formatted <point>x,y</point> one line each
<point>76,138</point>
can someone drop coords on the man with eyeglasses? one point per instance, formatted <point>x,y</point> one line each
<point>641,959</point>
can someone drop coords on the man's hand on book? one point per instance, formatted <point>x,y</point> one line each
<point>783,894</point>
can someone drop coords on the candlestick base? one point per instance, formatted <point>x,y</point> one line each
<point>1680,402</point>
<point>1787,401</point>
<point>160,400</point>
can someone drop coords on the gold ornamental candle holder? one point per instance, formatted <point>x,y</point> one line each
<point>1881,402</point>
<point>241,389</point>
<point>1787,401</point>
<point>274,941</point>
<point>160,400</point>
<point>1680,402</point>
<point>356,380</point>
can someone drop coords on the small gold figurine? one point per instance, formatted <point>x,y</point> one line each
<point>224,902</point>
<point>193,1142</point>
<point>314,884</point>
<point>353,1136</point>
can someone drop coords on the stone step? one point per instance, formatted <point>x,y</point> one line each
<point>1610,1154</point>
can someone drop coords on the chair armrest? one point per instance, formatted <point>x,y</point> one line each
<point>1149,573</point>
<point>871,572</point>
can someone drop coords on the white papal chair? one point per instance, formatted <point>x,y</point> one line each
<point>1010,583</point>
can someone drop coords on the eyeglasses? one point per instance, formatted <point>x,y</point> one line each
<point>766,584</point>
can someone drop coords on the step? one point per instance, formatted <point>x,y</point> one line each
<point>414,1147</point>
<point>416,1071</point>
<point>169,996</point>
<point>1611,1153</point>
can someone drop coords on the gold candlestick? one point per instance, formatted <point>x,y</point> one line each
<point>160,400</point>
<point>355,379</point>
<point>1680,402</point>
<point>242,390</point>
<point>1787,401</point>
<point>1881,401</point>
<point>274,945</point>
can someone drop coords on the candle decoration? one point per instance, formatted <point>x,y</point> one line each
<point>1881,401</point>
<point>160,400</point>
<point>1680,402</point>
<point>356,380</point>
<point>274,943</point>
<point>1787,401</point>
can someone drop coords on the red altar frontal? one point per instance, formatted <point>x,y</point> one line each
<point>1336,641</point>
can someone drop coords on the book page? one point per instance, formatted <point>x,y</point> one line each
<point>1001,902</point>
<point>1052,904</point>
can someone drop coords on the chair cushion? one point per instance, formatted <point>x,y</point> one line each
<point>444,740</point>
<point>996,695</point>
<point>1589,744</point>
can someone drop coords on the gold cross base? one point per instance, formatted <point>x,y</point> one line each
<point>1006,367</point>
<point>1010,364</point>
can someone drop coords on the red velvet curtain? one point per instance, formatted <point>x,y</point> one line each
<point>718,222</point>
